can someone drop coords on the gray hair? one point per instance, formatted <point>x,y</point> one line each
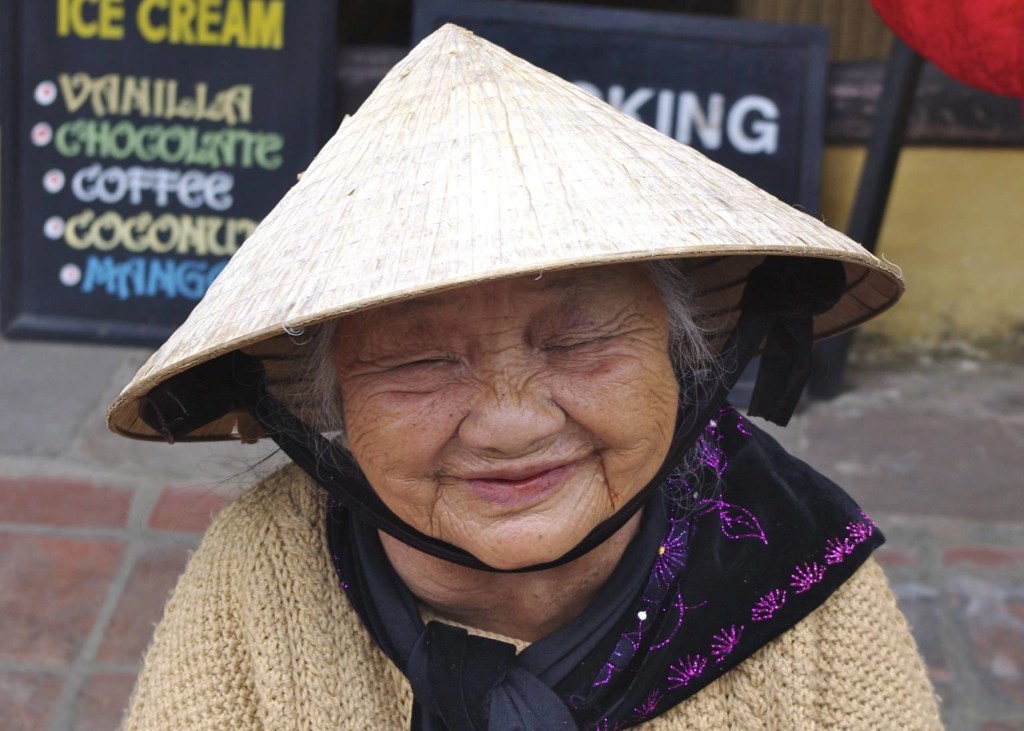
<point>316,388</point>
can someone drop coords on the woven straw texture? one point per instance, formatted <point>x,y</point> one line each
<point>257,635</point>
<point>467,164</point>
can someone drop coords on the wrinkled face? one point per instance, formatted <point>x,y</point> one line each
<point>511,417</point>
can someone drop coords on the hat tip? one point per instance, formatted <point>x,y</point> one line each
<point>451,32</point>
<point>450,27</point>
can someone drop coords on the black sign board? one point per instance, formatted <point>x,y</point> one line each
<point>749,95</point>
<point>142,142</point>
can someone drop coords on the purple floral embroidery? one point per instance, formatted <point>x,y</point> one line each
<point>680,608</point>
<point>625,649</point>
<point>672,553</point>
<point>677,485</point>
<point>725,642</point>
<point>806,576</point>
<point>837,549</point>
<point>648,708</point>
<point>632,639</point>
<point>604,676</point>
<point>736,522</point>
<point>653,629</point>
<point>709,453</point>
<point>859,532</point>
<point>670,561</point>
<point>684,671</point>
<point>768,605</point>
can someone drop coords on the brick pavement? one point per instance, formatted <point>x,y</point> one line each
<point>91,545</point>
<point>961,586</point>
<point>85,581</point>
<point>86,570</point>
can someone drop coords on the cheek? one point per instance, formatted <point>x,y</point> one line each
<point>630,407</point>
<point>397,437</point>
<point>638,385</point>
<point>395,454</point>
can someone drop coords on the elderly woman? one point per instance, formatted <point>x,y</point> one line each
<point>494,326</point>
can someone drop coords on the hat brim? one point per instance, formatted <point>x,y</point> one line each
<point>468,164</point>
<point>871,289</point>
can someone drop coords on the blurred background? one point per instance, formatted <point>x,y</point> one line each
<point>922,420</point>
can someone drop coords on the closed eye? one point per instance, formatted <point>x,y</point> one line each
<point>429,361</point>
<point>575,343</point>
<point>415,375</point>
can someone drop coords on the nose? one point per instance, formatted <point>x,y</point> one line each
<point>511,417</point>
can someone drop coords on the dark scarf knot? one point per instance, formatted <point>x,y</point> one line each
<point>472,683</point>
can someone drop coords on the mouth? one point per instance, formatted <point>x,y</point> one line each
<point>520,486</point>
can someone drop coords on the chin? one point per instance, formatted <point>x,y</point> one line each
<point>510,552</point>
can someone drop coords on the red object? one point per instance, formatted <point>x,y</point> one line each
<point>978,42</point>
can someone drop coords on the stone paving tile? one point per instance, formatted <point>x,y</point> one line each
<point>989,613</point>
<point>63,503</point>
<point>921,604</point>
<point>1012,725</point>
<point>51,589</point>
<point>893,557</point>
<point>102,701</point>
<point>985,556</point>
<point>141,603</point>
<point>27,699</point>
<point>53,387</point>
<point>892,465</point>
<point>188,509</point>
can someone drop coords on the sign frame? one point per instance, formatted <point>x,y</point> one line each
<point>15,321</point>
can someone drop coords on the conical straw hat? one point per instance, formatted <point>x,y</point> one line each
<point>468,164</point>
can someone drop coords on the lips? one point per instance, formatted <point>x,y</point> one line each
<point>519,486</point>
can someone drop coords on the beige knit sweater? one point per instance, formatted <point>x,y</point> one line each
<point>258,635</point>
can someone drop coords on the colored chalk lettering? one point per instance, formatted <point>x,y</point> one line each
<point>100,19</point>
<point>114,94</point>
<point>191,188</point>
<point>166,233</point>
<point>257,24</point>
<point>141,276</point>
<point>169,144</point>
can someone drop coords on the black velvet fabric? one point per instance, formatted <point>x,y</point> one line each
<point>728,557</point>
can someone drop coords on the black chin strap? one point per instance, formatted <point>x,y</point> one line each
<point>781,297</point>
<point>788,293</point>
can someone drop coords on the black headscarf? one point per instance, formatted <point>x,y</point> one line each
<point>728,556</point>
<point>736,569</point>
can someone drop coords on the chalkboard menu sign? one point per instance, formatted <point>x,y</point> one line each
<point>143,140</point>
<point>749,95</point>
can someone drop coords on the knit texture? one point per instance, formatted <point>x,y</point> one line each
<point>258,635</point>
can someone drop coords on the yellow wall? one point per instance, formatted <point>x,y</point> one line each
<point>955,225</point>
